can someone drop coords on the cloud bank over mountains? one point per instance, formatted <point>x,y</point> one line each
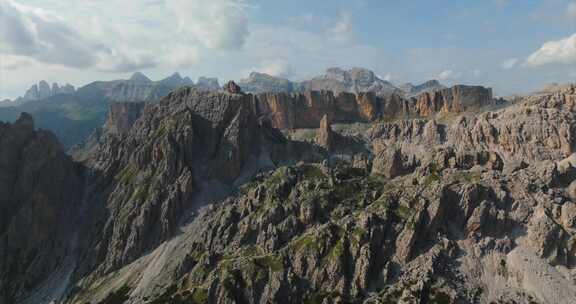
<point>43,36</point>
<point>561,51</point>
<point>37,34</point>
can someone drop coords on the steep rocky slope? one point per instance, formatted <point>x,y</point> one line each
<point>199,199</point>
<point>40,189</point>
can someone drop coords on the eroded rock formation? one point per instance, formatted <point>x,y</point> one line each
<point>203,201</point>
<point>305,110</point>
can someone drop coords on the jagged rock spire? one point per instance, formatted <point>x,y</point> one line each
<point>325,136</point>
<point>232,87</point>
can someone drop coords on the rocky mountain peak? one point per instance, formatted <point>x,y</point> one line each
<point>338,74</point>
<point>232,88</point>
<point>176,80</point>
<point>428,86</point>
<point>25,121</point>
<point>208,83</point>
<point>140,77</point>
<point>355,80</point>
<point>362,75</point>
<point>42,90</point>
<point>55,87</point>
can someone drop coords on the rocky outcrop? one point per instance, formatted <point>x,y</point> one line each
<point>453,100</point>
<point>305,110</point>
<point>122,115</point>
<point>232,88</point>
<point>40,189</point>
<point>388,162</point>
<point>325,136</point>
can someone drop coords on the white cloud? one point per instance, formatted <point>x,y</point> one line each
<point>554,52</point>
<point>14,62</point>
<point>42,36</point>
<point>309,52</point>
<point>181,57</point>
<point>448,75</point>
<point>220,24</point>
<point>509,63</point>
<point>342,30</point>
<point>37,34</point>
<point>277,68</point>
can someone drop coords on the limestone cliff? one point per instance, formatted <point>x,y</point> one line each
<point>305,110</point>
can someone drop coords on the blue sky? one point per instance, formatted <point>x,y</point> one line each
<point>514,46</point>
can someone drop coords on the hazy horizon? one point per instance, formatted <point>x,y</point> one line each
<point>511,46</point>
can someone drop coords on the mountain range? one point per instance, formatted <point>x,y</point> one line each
<point>74,114</point>
<point>452,196</point>
<point>355,80</point>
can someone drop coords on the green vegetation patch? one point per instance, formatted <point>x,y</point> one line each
<point>272,262</point>
<point>467,177</point>
<point>277,177</point>
<point>127,175</point>
<point>404,212</point>
<point>434,176</point>
<point>337,251</point>
<point>439,297</point>
<point>304,242</point>
<point>200,296</point>
<point>318,297</point>
<point>312,172</point>
<point>172,296</point>
<point>117,297</point>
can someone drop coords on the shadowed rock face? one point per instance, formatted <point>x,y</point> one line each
<point>40,188</point>
<point>473,210</point>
